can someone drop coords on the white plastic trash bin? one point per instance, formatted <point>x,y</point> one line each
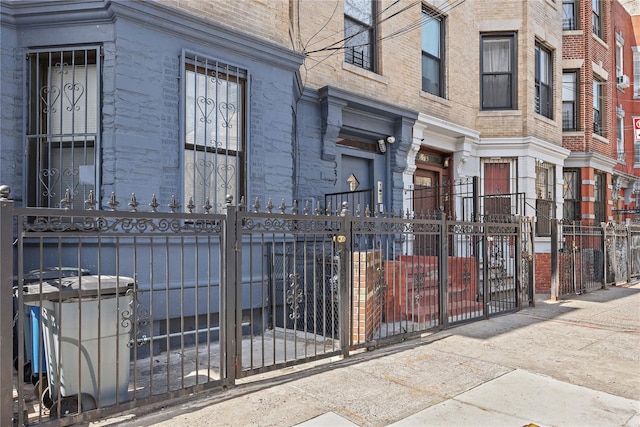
<point>86,325</point>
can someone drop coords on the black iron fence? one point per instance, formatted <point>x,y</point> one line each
<point>115,309</point>
<point>591,256</point>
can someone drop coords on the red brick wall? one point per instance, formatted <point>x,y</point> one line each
<point>543,273</point>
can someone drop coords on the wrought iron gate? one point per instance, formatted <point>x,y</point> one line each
<point>182,302</point>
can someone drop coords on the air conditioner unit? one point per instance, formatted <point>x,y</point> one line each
<point>623,81</point>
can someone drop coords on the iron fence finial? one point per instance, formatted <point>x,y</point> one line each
<point>91,201</point>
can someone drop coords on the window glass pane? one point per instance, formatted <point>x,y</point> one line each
<point>431,35</point>
<point>63,125</point>
<point>358,46</point>
<point>568,86</point>
<point>430,75</point>
<point>496,91</point>
<point>214,133</point>
<point>210,176</point>
<point>568,15</point>
<point>545,62</point>
<point>496,55</point>
<point>360,10</point>
<point>213,112</point>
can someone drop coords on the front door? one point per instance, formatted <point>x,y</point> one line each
<point>426,203</point>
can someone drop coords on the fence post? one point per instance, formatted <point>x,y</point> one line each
<point>6,306</point>
<point>443,274</point>
<point>486,286</point>
<point>532,262</point>
<point>603,245</point>
<point>343,248</point>
<point>231,309</point>
<point>555,286</point>
<point>629,253</point>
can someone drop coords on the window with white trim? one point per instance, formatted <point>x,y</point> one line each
<point>63,90</point>
<point>214,138</point>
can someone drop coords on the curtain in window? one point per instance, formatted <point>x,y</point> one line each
<point>496,79</point>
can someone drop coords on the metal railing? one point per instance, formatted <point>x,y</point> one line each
<point>158,304</point>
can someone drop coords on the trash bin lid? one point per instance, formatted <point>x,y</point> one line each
<point>89,286</point>
<point>50,273</point>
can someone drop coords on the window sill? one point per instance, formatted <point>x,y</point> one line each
<point>600,138</point>
<point>365,73</point>
<point>599,40</point>
<point>572,32</point>
<point>493,113</point>
<point>572,133</point>
<point>545,119</point>
<point>435,98</point>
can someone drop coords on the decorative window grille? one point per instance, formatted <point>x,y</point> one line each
<point>214,132</point>
<point>545,197</point>
<point>571,194</point>
<point>63,91</point>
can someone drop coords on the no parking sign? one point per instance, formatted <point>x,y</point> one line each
<point>636,128</point>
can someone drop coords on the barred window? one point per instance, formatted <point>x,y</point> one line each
<point>214,102</point>
<point>545,197</point>
<point>571,194</point>
<point>63,90</point>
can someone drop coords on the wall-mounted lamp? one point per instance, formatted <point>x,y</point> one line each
<point>446,162</point>
<point>382,144</point>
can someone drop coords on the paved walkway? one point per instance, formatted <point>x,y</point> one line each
<point>569,363</point>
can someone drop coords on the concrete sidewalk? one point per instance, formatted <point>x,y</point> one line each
<point>568,363</point>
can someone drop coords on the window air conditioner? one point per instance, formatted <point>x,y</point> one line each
<point>623,81</point>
